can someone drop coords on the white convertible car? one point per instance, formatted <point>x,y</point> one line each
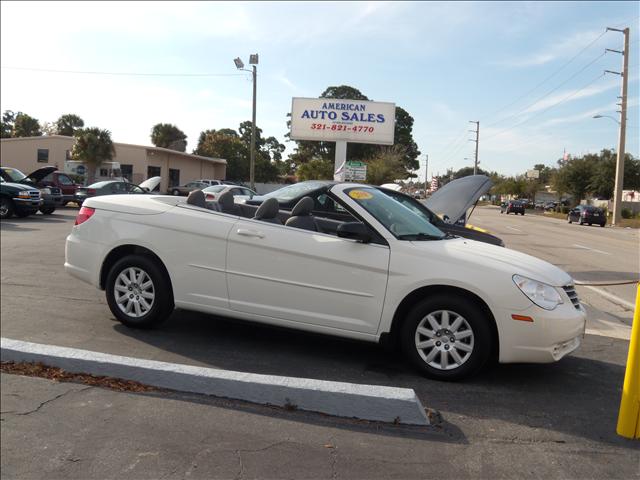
<point>450,303</point>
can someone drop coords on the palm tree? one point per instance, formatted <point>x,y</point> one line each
<point>67,124</point>
<point>93,146</point>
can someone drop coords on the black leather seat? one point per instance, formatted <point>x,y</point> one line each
<point>226,204</point>
<point>268,211</point>
<point>197,198</point>
<point>301,216</point>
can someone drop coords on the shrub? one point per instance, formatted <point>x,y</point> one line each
<point>626,213</point>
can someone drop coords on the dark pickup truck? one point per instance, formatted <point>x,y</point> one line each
<point>18,199</point>
<point>51,196</point>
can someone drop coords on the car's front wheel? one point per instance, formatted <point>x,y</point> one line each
<point>447,337</point>
<point>6,208</point>
<point>138,292</point>
<point>175,192</point>
<point>47,210</point>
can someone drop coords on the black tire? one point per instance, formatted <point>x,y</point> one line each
<point>22,213</point>
<point>590,224</point>
<point>6,208</point>
<point>522,214</point>
<point>602,225</point>
<point>175,192</point>
<point>474,320</point>
<point>569,219</point>
<point>162,303</point>
<point>47,210</point>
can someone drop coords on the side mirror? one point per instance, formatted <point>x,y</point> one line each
<point>354,231</point>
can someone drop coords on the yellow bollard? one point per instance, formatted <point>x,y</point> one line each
<point>629,415</point>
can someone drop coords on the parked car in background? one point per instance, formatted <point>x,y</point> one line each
<point>210,182</point>
<point>382,274</point>
<point>51,196</point>
<point>18,199</point>
<point>587,214</point>
<point>62,181</point>
<point>187,188</point>
<point>512,207</point>
<point>214,192</point>
<point>111,187</point>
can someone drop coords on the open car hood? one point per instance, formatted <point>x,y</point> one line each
<point>151,183</point>
<point>39,174</point>
<point>456,197</point>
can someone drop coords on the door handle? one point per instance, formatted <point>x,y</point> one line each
<point>249,233</point>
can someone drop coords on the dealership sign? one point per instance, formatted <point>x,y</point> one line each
<point>335,120</point>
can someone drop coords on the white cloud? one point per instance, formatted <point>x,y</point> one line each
<point>555,49</point>
<point>572,95</point>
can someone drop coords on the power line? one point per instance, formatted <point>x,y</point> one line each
<point>548,108</point>
<point>132,74</point>
<point>550,76</point>
<point>550,91</point>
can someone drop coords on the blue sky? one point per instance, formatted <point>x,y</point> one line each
<point>444,62</point>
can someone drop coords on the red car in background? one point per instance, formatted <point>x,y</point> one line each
<point>64,183</point>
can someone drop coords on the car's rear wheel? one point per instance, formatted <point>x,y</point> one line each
<point>447,337</point>
<point>569,219</point>
<point>138,292</point>
<point>6,208</point>
<point>47,210</point>
<point>175,192</point>
<point>602,224</point>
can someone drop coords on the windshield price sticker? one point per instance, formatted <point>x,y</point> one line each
<point>330,119</point>
<point>360,195</point>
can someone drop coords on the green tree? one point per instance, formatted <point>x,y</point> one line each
<point>68,124</point>
<point>166,135</point>
<point>8,121</point>
<point>386,165</point>
<point>92,146</point>
<point>26,126</point>
<point>316,169</point>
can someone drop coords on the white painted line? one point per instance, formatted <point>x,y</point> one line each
<point>512,228</point>
<point>611,296</point>
<point>591,249</point>
<point>369,402</point>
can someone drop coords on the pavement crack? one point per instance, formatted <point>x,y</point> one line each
<point>46,402</point>
<point>240,473</point>
<point>334,458</point>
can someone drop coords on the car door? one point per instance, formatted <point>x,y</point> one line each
<point>306,277</point>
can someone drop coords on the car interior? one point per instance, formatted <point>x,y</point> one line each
<point>301,215</point>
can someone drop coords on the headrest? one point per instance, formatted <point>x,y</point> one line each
<point>226,200</point>
<point>197,198</point>
<point>268,209</point>
<point>303,207</point>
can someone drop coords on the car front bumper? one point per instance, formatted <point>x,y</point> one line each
<point>548,338</point>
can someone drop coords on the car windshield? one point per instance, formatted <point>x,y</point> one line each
<point>214,188</point>
<point>294,191</point>
<point>15,174</point>
<point>402,222</point>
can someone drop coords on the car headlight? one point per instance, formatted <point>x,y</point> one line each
<point>543,295</point>
<point>45,191</point>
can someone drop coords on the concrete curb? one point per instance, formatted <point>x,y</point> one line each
<point>367,402</point>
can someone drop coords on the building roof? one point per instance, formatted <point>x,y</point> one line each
<point>155,149</point>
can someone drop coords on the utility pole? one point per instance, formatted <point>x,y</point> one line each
<point>426,169</point>
<point>617,193</point>
<point>477,140</point>
<point>252,165</point>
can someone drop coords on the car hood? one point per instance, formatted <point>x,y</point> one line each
<point>18,186</point>
<point>456,197</point>
<point>151,183</point>
<point>42,172</point>
<point>485,256</point>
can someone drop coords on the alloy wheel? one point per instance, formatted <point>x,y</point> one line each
<point>134,292</point>
<point>444,339</point>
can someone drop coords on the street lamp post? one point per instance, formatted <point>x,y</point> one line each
<point>253,60</point>
<point>607,116</point>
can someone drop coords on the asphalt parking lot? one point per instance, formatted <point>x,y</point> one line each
<point>512,421</point>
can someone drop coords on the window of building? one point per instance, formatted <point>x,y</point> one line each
<point>43,155</point>
<point>153,171</point>
<point>174,177</point>
<point>127,171</point>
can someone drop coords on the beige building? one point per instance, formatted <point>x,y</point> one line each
<point>137,162</point>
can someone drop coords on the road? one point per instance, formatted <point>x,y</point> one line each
<point>541,420</point>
